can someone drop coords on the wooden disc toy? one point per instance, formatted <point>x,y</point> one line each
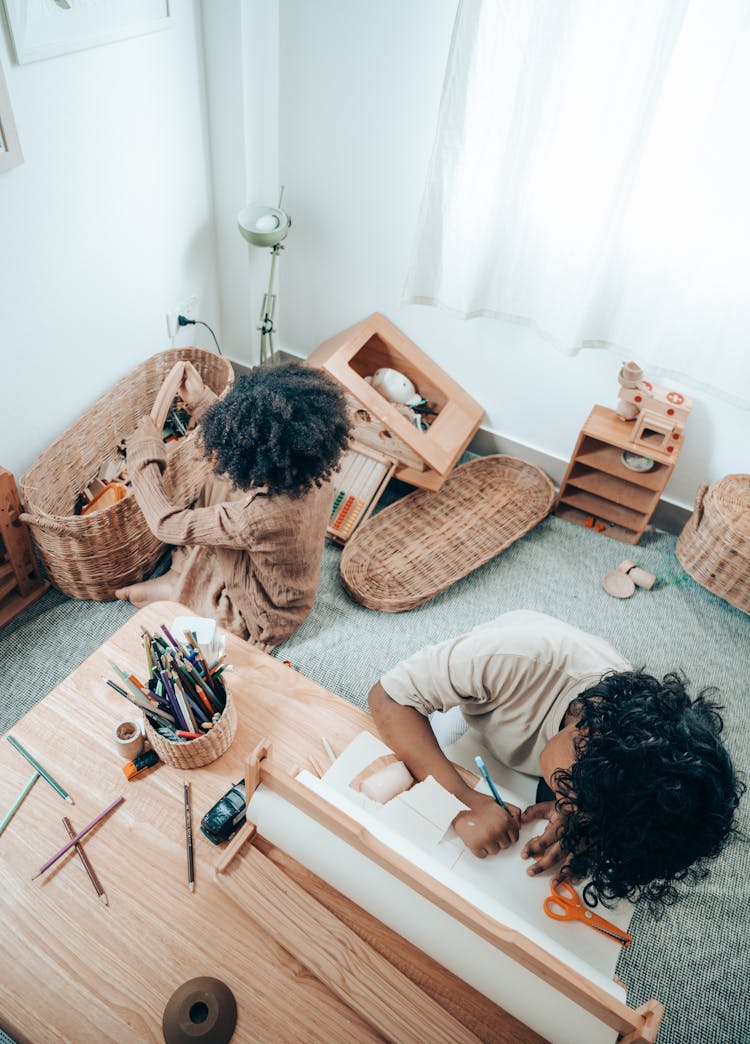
<point>618,584</point>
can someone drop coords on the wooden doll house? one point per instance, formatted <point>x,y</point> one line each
<point>423,458</point>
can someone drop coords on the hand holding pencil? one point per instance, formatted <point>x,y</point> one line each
<point>491,824</point>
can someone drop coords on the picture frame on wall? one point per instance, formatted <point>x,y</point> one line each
<point>10,147</point>
<point>46,28</point>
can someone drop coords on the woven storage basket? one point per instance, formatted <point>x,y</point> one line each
<point>412,550</point>
<point>90,556</point>
<point>196,753</point>
<point>714,545</point>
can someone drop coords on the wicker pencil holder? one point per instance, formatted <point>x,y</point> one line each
<point>90,556</point>
<point>196,753</point>
<point>714,545</point>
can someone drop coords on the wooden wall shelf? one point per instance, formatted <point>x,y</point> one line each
<point>597,485</point>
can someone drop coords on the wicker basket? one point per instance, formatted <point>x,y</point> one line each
<point>90,556</point>
<point>714,545</point>
<point>196,753</point>
<point>412,550</point>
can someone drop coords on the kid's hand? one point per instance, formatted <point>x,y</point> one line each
<point>192,385</point>
<point>146,428</point>
<point>488,827</point>
<point>545,849</point>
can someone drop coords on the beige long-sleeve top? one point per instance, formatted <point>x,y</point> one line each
<point>513,678</point>
<point>252,560</point>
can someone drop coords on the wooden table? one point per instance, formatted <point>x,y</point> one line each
<point>73,969</point>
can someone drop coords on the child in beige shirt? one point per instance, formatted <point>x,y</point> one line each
<point>248,551</point>
<point>642,791</point>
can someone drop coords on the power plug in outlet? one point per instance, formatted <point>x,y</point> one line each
<point>188,308</point>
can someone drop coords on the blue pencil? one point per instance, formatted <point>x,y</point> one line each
<point>17,803</point>
<point>488,779</point>
<point>35,765</point>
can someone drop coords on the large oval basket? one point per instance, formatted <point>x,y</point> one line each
<point>412,550</point>
<point>90,556</point>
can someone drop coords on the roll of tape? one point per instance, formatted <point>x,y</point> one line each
<point>129,739</point>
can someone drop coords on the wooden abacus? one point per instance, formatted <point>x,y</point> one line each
<point>358,485</point>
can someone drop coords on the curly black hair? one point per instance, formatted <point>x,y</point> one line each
<point>283,426</point>
<point>651,796</point>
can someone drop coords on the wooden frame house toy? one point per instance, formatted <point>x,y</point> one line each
<point>426,451</point>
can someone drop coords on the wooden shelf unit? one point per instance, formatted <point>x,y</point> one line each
<point>597,484</point>
<point>21,582</point>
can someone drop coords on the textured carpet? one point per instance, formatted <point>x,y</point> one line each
<point>696,958</point>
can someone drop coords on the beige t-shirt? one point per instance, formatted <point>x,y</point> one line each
<point>513,678</point>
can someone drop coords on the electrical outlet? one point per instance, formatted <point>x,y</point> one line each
<point>188,308</point>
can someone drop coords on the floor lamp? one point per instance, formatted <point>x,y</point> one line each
<point>266,227</point>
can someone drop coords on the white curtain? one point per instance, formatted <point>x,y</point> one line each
<point>591,178</point>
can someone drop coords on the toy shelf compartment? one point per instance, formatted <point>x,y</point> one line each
<point>599,491</point>
<point>424,458</point>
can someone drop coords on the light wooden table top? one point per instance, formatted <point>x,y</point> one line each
<point>73,969</point>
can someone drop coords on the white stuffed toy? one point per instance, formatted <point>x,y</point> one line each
<point>395,387</point>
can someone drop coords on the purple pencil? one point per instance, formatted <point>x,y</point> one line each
<point>174,702</point>
<point>82,833</point>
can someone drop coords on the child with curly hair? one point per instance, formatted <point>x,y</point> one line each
<point>248,552</point>
<point>636,784</point>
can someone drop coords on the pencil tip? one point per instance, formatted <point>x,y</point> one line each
<point>35,877</point>
<point>104,899</point>
<point>70,800</point>
<point>191,886</point>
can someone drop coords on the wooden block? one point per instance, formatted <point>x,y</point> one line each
<point>367,346</point>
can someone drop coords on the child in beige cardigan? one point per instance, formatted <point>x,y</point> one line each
<point>248,551</point>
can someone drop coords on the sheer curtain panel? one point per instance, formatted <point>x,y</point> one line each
<point>591,178</point>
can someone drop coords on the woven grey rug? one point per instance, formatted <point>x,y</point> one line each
<point>695,960</point>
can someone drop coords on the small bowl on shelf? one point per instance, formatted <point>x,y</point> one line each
<point>635,462</point>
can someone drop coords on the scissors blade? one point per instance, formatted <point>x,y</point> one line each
<point>623,939</point>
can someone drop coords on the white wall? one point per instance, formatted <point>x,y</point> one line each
<point>106,225</point>
<point>241,49</point>
<point>359,89</point>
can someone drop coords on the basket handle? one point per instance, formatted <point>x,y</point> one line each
<point>698,509</point>
<point>166,394</point>
<point>48,522</point>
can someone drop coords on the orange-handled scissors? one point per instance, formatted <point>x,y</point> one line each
<point>564,904</point>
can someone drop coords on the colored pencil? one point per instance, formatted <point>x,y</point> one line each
<point>18,802</point>
<point>488,779</point>
<point>189,838</point>
<point>45,775</point>
<point>86,864</point>
<point>328,749</point>
<point>81,833</point>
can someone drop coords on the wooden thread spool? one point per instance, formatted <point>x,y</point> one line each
<point>639,576</point>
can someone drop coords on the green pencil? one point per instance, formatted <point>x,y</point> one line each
<point>17,803</point>
<point>45,775</point>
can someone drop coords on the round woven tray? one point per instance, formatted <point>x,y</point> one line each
<point>196,753</point>
<point>409,552</point>
<point>714,545</point>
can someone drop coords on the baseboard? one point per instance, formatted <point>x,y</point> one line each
<point>669,516</point>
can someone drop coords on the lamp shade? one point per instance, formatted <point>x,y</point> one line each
<point>263,226</point>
